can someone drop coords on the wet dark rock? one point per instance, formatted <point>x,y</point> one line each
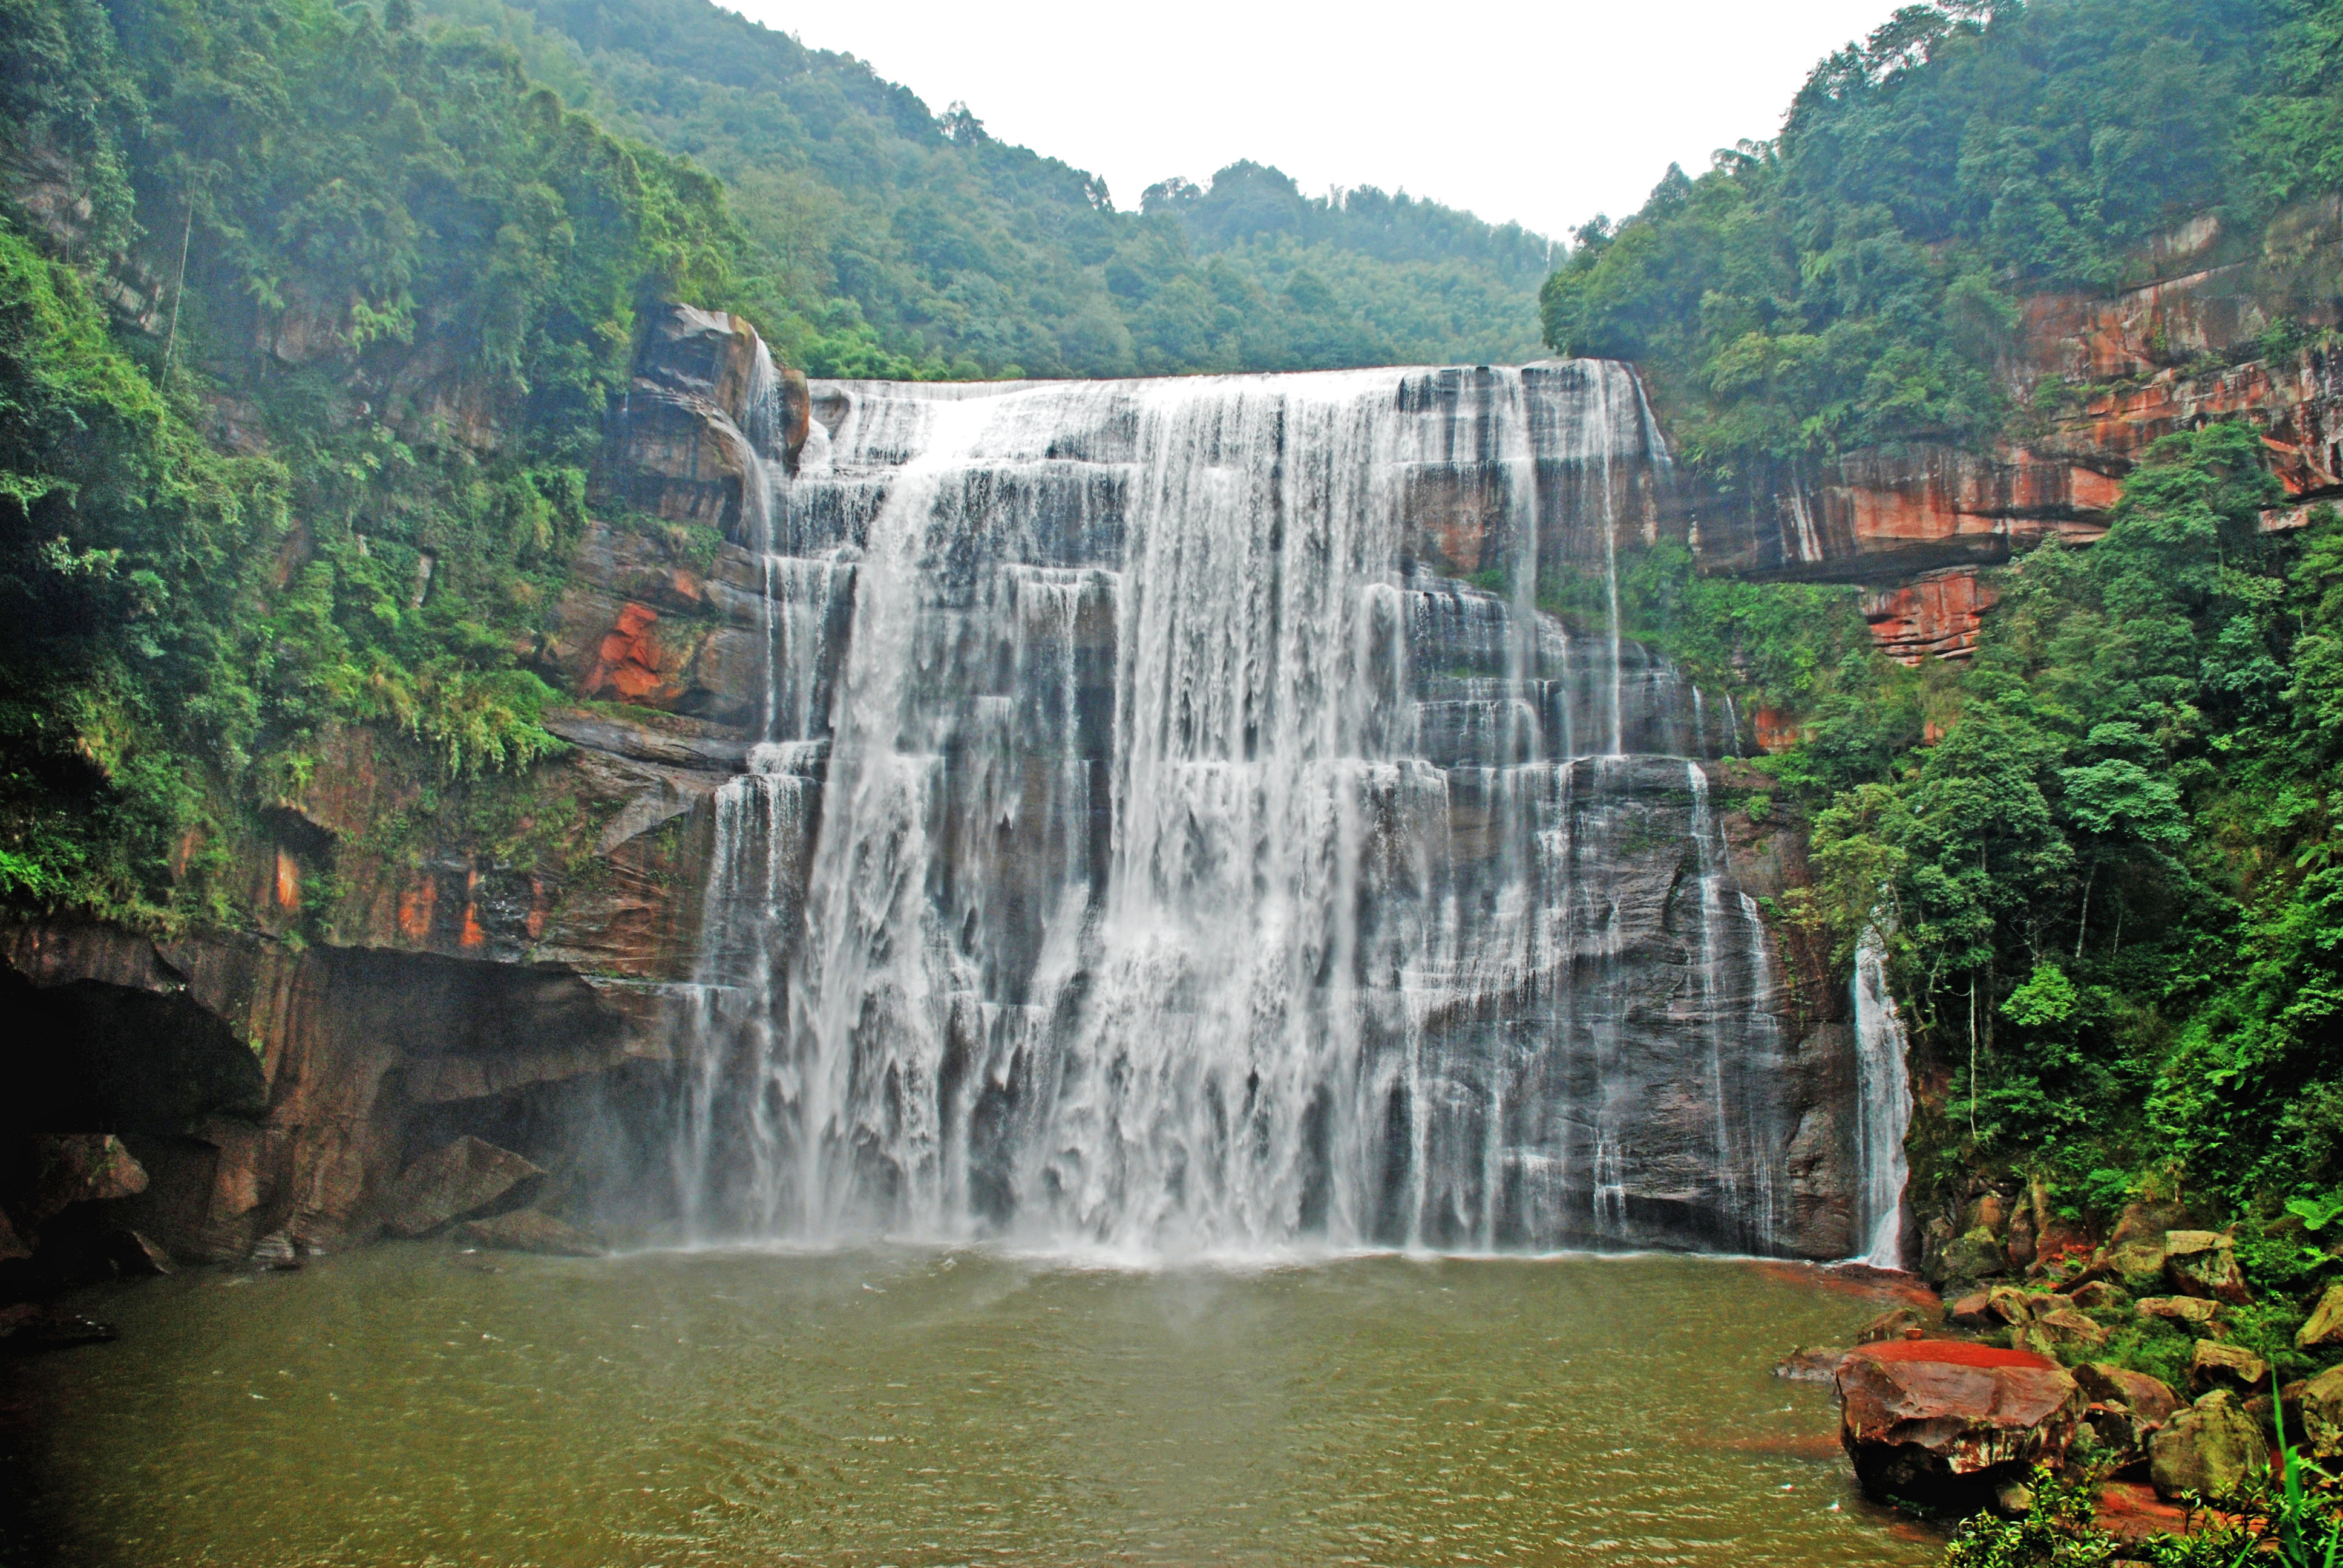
<point>1987,1213</point>
<point>2325,1326</point>
<point>2317,1404</point>
<point>1973,1311</point>
<point>2147,1221</point>
<point>80,1168</point>
<point>2011,1305</point>
<point>2062,1329</point>
<point>2136,1265</point>
<point>2119,1434</point>
<point>28,1327</point>
<point>2190,1310</point>
<point>2061,1246</point>
<point>2209,1449</point>
<point>2106,1384</point>
<point>2012,1499</point>
<point>2204,1263</point>
<point>1895,1323</point>
<point>2213,1365</point>
<point>458,1179</point>
<point>1940,1423</point>
<point>2098,1296</point>
<point>1975,1255</point>
<point>133,1253</point>
<point>2021,1239</point>
<point>1812,1364</point>
<point>530,1230</point>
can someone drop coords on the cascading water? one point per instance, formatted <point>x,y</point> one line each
<point>1147,850</point>
<point>1883,1108</point>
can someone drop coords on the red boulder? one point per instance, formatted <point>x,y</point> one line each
<point>1938,1423</point>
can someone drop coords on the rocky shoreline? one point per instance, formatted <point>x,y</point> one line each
<point>1951,1404</point>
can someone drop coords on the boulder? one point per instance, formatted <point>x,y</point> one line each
<point>2009,1304</point>
<point>1975,1255</point>
<point>2061,1245</point>
<point>2119,1434</point>
<point>1974,1311</point>
<point>133,1253</point>
<point>2145,1221</point>
<point>2151,1398</point>
<point>2209,1449</point>
<point>2325,1325</point>
<point>13,1249</point>
<point>2098,1296</point>
<point>1987,1213</point>
<point>2020,1239</point>
<point>28,1327</point>
<point>2204,1263</point>
<point>1939,1423</point>
<point>2011,1499</point>
<point>2213,1365</point>
<point>2185,1310</point>
<point>2318,1405</point>
<point>2138,1266</point>
<point>81,1168</point>
<point>1895,1323</point>
<point>2063,1328</point>
<point>1811,1364</point>
<point>529,1230</point>
<point>453,1180</point>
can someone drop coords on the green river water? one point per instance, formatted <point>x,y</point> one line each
<point>414,1405</point>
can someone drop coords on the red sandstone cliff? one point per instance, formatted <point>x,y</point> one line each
<point>2104,377</point>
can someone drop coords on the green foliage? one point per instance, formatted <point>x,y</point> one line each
<point>373,242</point>
<point>2058,1532</point>
<point>2112,877</point>
<point>1794,646</point>
<point>127,546</point>
<point>897,242</point>
<point>2292,1519</point>
<point>1850,282</point>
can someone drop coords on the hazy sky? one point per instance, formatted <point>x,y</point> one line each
<point>1545,113</point>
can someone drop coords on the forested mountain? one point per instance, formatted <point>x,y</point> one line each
<point>1852,280</point>
<point>965,255</point>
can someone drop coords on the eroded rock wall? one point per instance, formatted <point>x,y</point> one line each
<point>511,958</point>
<point>2107,377</point>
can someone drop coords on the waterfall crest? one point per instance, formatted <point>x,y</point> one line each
<point>1148,848</point>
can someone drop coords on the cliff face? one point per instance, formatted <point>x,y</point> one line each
<point>2104,377</point>
<point>521,962</point>
<point>428,958</point>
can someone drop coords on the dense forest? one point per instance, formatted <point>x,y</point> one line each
<point>2103,852</point>
<point>323,239</point>
<point>1852,281</point>
<point>914,243</point>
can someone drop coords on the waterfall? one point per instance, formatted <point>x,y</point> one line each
<point>1149,847</point>
<point>1884,1106</point>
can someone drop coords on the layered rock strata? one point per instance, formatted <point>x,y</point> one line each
<point>2107,378</point>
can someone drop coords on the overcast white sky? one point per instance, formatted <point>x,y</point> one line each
<point>1543,114</point>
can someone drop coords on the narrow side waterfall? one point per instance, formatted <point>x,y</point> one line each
<point>1883,1111</point>
<point>1176,827</point>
